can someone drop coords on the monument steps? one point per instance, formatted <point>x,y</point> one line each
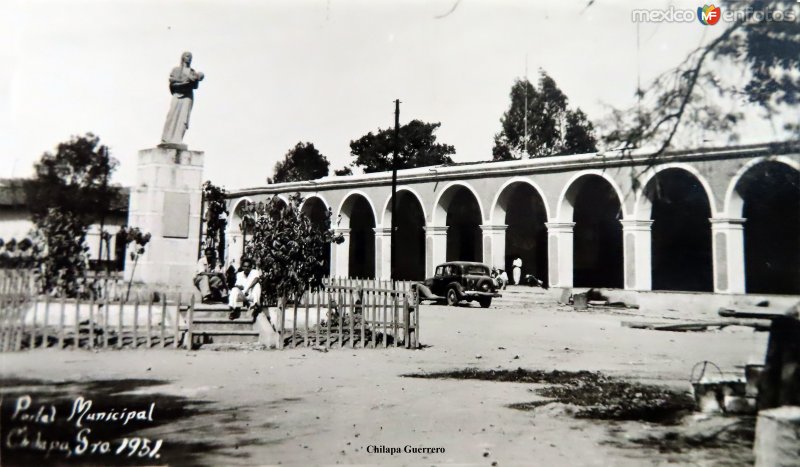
<point>210,325</point>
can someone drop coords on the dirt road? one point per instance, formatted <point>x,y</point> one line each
<point>306,407</point>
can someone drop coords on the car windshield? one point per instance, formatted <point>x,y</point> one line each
<point>479,270</point>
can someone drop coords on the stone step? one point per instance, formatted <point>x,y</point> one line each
<point>219,336</point>
<point>212,324</point>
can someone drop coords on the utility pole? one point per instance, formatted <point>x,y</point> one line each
<point>394,188</point>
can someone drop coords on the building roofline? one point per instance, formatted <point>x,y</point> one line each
<point>605,159</point>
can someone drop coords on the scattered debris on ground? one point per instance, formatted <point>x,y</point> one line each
<point>598,396</point>
<point>684,326</point>
<point>719,437</point>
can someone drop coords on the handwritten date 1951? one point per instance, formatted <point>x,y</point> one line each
<point>139,447</point>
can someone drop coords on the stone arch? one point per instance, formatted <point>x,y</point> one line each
<point>566,199</point>
<point>234,237</point>
<point>499,204</point>
<point>458,207</point>
<point>316,208</point>
<point>311,198</point>
<point>643,205</point>
<point>594,202</point>
<point>444,199</point>
<point>346,207</point>
<point>734,203</point>
<point>520,205</point>
<point>766,193</point>
<point>386,218</point>
<point>358,216</point>
<point>410,234</point>
<point>680,203</point>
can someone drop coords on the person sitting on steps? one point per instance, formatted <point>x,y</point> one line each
<point>246,292</point>
<point>210,278</point>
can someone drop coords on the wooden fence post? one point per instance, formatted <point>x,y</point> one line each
<point>306,299</point>
<point>34,325</point>
<point>150,322</point>
<point>106,326</point>
<point>61,323</point>
<point>91,321</point>
<point>77,342</point>
<point>163,323</point>
<point>189,323</point>
<point>120,339</point>
<point>135,342</point>
<point>175,324</point>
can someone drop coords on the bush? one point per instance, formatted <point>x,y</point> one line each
<point>288,249</point>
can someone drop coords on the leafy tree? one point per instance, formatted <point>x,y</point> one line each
<point>417,147</point>
<point>302,162</point>
<point>579,134</point>
<point>75,180</point>
<point>64,254</point>
<point>69,191</point>
<point>288,249</point>
<point>216,216</point>
<point>551,127</point>
<point>695,94</point>
<point>344,171</point>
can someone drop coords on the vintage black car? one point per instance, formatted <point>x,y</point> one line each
<point>458,281</point>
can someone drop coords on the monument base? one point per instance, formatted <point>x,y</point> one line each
<point>166,202</point>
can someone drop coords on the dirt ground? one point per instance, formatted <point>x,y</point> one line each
<point>307,407</point>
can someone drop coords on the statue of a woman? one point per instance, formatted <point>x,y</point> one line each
<point>183,80</point>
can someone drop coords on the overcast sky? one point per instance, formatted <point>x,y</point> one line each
<point>324,71</point>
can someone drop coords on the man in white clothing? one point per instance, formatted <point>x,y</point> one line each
<point>246,291</point>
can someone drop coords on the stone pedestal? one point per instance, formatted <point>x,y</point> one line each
<point>559,253</point>
<point>494,245</point>
<point>340,255</point>
<point>637,238</point>
<point>383,252</point>
<point>727,239</point>
<point>435,248</point>
<point>166,202</point>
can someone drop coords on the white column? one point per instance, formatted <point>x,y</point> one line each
<point>559,253</point>
<point>727,239</point>
<point>494,245</point>
<point>340,255</point>
<point>637,254</point>
<point>435,248</point>
<point>383,252</point>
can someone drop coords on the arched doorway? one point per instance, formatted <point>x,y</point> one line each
<point>769,196</point>
<point>410,236</point>
<point>521,208</point>
<point>681,232</point>
<point>357,215</point>
<point>597,237</point>
<point>317,212</point>
<point>463,222</point>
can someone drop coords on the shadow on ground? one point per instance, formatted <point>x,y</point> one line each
<point>36,426</point>
<point>598,396</point>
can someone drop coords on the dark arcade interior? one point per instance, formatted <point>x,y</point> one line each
<point>410,238</point>
<point>771,195</point>
<point>681,233</point>
<point>526,235</point>
<point>597,247</point>
<point>362,239</point>
<point>316,211</point>
<point>464,231</point>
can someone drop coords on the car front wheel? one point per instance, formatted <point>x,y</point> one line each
<point>452,297</point>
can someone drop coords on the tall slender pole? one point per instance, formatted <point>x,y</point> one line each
<point>526,105</point>
<point>394,187</point>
